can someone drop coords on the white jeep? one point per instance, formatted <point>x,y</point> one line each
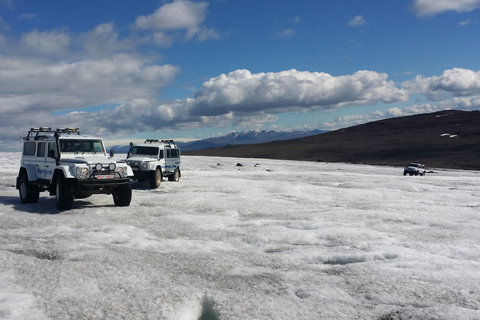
<point>70,165</point>
<point>154,160</point>
<point>414,168</point>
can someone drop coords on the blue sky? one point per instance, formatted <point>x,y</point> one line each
<point>180,69</point>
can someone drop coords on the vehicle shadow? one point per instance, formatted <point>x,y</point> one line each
<point>46,205</point>
<point>141,185</point>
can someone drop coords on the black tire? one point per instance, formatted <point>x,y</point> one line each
<point>28,192</point>
<point>155,178</point>
<point>63,194</point>
<point>122,196</point>
<point>175,176</point>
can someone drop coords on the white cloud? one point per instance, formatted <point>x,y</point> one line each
<point>175,17</point>
<point>48,42</point>
<point>103,40</point>
<point>433,7</point>
<point>27,16</point>
<point>357,21</point>
<point>284,34</point>
<point>293,90</point>
<point>464,103</point>
<point>239,98</point>
<point>457,81</point>
<point>7,4</point>
<point>29,84</point>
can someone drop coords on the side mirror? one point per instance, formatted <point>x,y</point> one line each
<point>112,152</point>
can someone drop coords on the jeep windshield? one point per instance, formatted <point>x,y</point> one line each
<point>81,145</point>
<point>144,151</point>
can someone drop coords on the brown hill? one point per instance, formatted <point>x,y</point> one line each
<point>445,139</point>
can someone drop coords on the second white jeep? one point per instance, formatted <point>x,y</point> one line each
<point>153,160</point>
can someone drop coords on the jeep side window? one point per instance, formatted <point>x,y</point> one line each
<point>41,150</point>
<point>161,154</point>
<point>172,153</point>
<point>29,148</point>
<point>52,150</point>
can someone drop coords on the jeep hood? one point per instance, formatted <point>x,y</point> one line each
<point>141,158</point>
<point>87,159</point>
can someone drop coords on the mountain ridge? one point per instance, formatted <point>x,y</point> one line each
<point>235,138</point>
<point>444,139</point>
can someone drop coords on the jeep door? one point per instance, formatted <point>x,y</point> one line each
<point>49,161</point>
<point>172,160</point>
<point>40,160</point>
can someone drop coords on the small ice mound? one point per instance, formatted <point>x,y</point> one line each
<point>349,259</point>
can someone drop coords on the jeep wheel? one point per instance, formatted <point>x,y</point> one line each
<point>63,194</point>
<point>122,195</point>
<point>28,192</point>
<point>175,176</point>
<point>155,178</point>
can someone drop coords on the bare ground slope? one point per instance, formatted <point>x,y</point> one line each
<point>445,139</point>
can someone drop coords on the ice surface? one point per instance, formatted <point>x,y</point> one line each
<point>266,240</point>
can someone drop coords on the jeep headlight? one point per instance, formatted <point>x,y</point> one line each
<point>122,171</point>
<point>83,173</point>
<point>144,166</point>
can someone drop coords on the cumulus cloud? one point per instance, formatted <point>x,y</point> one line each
<point>357,21</point>
<point>29,84</point>
<point>239,98</point>
<point>287,33</point>
<point>47,42</point>
<point>104,40</point>
<point>464,103</point>
<point>432,7</point>
<point>180,15</point>
<point>293,90</point>
<point>456,81</point>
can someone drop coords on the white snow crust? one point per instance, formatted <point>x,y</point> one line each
<point>266,240</point>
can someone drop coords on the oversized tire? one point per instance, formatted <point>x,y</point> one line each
<point>175,176</point>
<point>155,178</point>
<point>63,194</point>
<point>122,195</point>
<point>28,192</point>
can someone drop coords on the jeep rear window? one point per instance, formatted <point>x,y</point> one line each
<point>77,145</point>
<point>41,149</point>
<point>29,148</point>
<point>173,153</point>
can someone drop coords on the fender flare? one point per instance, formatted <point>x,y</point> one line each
<point>30,170</point>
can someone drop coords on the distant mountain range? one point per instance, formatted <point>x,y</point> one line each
<point>445,139</point>
<point>245,137</point>
<point>235,138</point>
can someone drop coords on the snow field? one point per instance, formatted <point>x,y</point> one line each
<point>266,240</point>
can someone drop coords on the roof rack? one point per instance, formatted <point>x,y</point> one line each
<point>69,130</point>
<point>170,142</point>
<point>38,130</point>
